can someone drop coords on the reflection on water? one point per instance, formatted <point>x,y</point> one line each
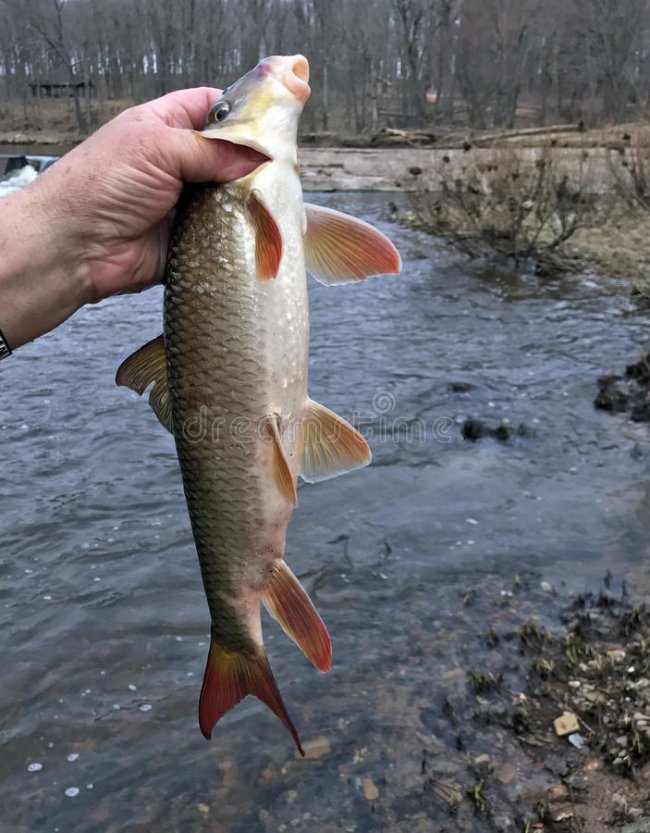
<point>104,622</point>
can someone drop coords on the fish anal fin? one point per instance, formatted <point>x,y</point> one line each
<point>229,677</point>
<point>146,367</point>
<point>285,480</point>
<point>342,249</point>
<point>287,600</point>
<point>331,446</point>
<point>268,238</point>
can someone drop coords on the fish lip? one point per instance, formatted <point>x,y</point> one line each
<point>290,70</point>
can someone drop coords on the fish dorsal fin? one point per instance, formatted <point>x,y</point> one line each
<point>229,677</point>
<point>331,446</point>
<point>268,238</point>
<point>287,600</point>
<point>281,469</point>
<point>342,249</point>
<point>145,367</point>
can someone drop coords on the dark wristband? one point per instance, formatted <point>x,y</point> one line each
<point>5,349</point>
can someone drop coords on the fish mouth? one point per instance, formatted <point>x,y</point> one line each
<point>292,71</point>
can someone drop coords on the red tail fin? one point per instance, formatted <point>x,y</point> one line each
<point>229,677</point>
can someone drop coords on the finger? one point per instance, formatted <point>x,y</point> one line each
<point>193,158</point>
<point>183,108</point>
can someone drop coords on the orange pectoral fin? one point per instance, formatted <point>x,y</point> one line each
<point>268,238</point>
<point>288,601</point>
<point>146,367</point>
<point>229,677</point>
<point>342,249</point>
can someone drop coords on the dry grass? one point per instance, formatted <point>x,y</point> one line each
<point>523,207</point>
<point>620,249</point>
<point>578,210</point>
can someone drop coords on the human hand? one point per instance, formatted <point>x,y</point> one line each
<point>97,222</point>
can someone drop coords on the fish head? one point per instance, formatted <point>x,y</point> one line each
<point>262,109</point>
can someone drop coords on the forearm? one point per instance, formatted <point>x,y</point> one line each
<point>40,283</point>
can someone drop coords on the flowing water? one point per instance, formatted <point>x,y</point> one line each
<point>103,619</point>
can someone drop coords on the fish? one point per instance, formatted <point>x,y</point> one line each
<point>228,378</point>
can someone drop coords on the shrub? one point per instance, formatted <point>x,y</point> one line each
<point>515,203</point>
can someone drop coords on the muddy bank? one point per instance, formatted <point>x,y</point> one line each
<point>551,727</point>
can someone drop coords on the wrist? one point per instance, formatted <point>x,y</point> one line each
<point>43,280</point>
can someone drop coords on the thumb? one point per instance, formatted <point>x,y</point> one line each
<point>199,159</point>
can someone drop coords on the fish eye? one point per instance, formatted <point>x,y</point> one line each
<point>219,111</point>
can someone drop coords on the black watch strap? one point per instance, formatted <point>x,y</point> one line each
<point>5,349</point>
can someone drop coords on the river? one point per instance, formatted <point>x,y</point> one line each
<point>105,626</point>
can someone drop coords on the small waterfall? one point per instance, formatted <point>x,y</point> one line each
<point>18,171</point>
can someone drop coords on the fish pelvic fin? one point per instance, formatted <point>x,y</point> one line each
<point>229,677</point>
<point>287,600</point>
<point>285,480</point>
<point>342,249</point>
<point>331,446</point>
<point>268,237</point>
<point>147,366</point>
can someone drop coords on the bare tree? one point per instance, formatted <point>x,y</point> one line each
<point>381,63</point>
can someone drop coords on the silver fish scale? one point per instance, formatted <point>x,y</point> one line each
<point>215,391</point>
<point>219,324</point>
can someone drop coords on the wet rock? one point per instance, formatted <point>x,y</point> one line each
<point>564,813</point>
<point>558,793</point>
<point>460,387</point>
<point>444,767</point>
<point>474,429</point>
<point>317,748</point>
<point>506,773</point>
<point>370,791</point>
<point>631,394</point>
<point>641,411</point>
<point>611,395</point>
<point>566,724</point>
<point>482,761</point>
<point>639,370</point>
<point>579,783</point>
<point>576,740</point>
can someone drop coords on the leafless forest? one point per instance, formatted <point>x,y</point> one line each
<point>375,63</point>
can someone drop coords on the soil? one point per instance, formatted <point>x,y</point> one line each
<point>591,669</point>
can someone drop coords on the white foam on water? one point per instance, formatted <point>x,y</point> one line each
<point>17,180</point>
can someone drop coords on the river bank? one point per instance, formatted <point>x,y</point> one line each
<point>594,162</point>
